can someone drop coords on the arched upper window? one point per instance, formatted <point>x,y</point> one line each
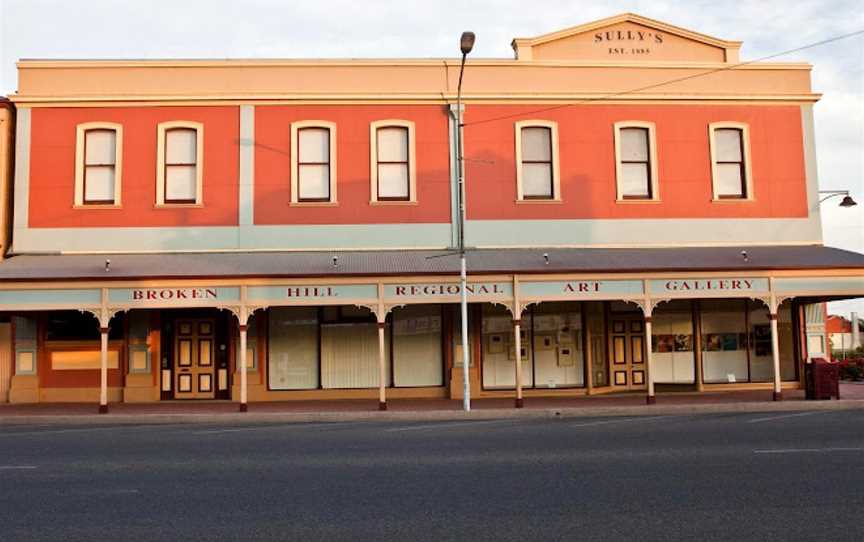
<point>537,172</point>
<point>98,164</point>
<point>730,161</point>
<point>392,159</point>
<point>636,161</point>
<point>313,162</point>
<point>179,177</point>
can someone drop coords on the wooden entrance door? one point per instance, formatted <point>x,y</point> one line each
<point>194,366</point>
<point>627,349</point>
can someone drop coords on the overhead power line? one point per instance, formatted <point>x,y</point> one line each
<point>668,81</point>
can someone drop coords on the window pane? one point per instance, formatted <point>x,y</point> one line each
<point>727,145</point>
<point>314,182</point>
<point>181,146</point>
<point>417,351</point>
<point>537,180</point>
<point>724,341</point>
<point>393,181</point>
<point>634,180</point>
<point>313,145</point>
<point>180,183</point>
<point>729,180</point>
<point>634,144</point>
<point>99,183</point>
<point>349,355</point>
<point>293,348</point>
<point>537,144</point>
<point>100,147</point>
<point>393,144</point>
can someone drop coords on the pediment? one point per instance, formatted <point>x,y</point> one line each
<point>626,38</point>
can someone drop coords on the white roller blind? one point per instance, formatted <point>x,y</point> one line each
<point>727,142</point>
<point>99,183</point>
<point>349,356</point>
<point>293,348</point>
<point>729,181</point>
<point>100,147</point>
<point>393,144</point>
<point>313,145</point>
<point>417,352</point>
<point>393,181</point>
<point>536,148</point>
<point>181,146</point>
<point>314,181</point>
<point>634,144</point>
<point>634,180</point>
<point>537,180</point>
<point>536,144</point>
<point>181,183</point>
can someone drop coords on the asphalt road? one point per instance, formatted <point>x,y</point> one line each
<point>769,476</point>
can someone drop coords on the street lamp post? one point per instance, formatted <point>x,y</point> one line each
<point>466,43</point>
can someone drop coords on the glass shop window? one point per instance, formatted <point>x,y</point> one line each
<point>80,326</point>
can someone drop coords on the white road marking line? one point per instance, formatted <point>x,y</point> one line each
<point>617,420</point>
<point>273,426</point>
<point>17,467</point>
<point>807,450</point>
<point>444,425</point>
<point>783,416</point>
<point>58,431</point>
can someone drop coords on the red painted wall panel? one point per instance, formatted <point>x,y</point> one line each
<point>587,161</point>
<point>52,167</point>
<point>273,165</point>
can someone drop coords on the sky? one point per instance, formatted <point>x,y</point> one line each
<point>405,28</point>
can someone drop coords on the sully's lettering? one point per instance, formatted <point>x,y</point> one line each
<point>708,284</point>
<point>167,294</point>
<point>627,35</point>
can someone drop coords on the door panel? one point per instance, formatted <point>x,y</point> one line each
<point>193,354</point>
<point>627,346</point>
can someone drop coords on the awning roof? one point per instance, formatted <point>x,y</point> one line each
<point>423,262</point>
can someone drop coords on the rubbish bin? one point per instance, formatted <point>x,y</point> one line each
<point>822,379</point>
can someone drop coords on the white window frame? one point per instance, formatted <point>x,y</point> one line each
<point>80,143</point>
<point>295,181</point>
<point>373,161</point>
<point>745,143</point>
<point>162,129</point>
<point>652,156</point>
<point>556,170</point>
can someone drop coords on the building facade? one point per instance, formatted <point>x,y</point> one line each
<point>844,336</point>
<point>642,214</point>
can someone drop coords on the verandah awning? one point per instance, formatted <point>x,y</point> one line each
<point>220,265</point>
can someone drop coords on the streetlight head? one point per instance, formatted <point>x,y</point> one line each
<point>848,202</point>
<point>466,42</point>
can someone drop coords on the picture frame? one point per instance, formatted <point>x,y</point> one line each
<point>496,343</point>
<point>683,343</point>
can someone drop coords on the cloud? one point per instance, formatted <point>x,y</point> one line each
<point>315,29</point>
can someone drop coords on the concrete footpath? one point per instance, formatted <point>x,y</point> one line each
<point>176,412</point>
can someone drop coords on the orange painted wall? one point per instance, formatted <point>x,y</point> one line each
<point>587,161</point>
<point>273,165</point>
<point>52,167</point>
<point>82,378</point>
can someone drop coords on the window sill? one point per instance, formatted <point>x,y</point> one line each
<point>538,201</point>
<point>732,200</point>
<point>394,202</point>
<point>637,201</point>
<point>89,206</point>
<point>314,204</point>
<point>178,206</point>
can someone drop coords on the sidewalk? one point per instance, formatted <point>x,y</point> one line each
<point>852,395</point>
